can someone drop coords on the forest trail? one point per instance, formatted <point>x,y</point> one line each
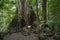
<point>19,36</point>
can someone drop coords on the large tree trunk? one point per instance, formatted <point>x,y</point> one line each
<point>25,16</point>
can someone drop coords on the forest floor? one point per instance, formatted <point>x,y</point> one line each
<point>20,36</point>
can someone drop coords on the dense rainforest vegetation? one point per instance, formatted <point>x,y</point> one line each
<point>43,12</point>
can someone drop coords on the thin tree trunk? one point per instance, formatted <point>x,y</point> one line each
<point>44,10</point>
<point>37,20</point>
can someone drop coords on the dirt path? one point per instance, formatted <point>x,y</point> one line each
<point>19,36</point>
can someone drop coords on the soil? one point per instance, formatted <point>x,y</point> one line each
<point>20,36</point>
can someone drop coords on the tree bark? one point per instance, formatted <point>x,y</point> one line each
<point>44,10</point>
<point>24,16</point>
